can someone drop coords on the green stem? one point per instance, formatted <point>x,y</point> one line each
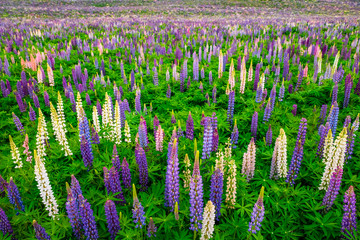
<point>195,234</point>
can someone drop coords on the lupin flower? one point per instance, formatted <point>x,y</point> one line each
<point>294,110</point>
<point>186,172</point>
<point>112,183</point>
<point>196,197</point>
<point>334,154</point>
<point>44,186</point>
<point>5,226</point>
<point>40,232</point>
<point>88,219</point>
<point>348,87</point>
<point>333,117</point>
<point>86,152</point>
<point>333,189</point>
<point>348,224</point>
<point>258,213</point>
<point>323,133</point>
<point>215,140</point>
<point>172,178</point>
<point>143,167</point>
<point>234,136</point>
<point>125,174</point>
<point>180,132</point>
<point>248,165</point>
<point>127,132</point>
<point>168,92</point>
<point>115,159</point>
<point>208,222</point>
<point>281,92</point>
<point>112,219</point>
<point>72,209</point>
<point>279,159</point>
<point>230,111</point>
<point>207,140</point>
<point>216,190</point>
<point>138,210</point>
<point>267,112</point>
<point>32,114</point>
<point>42,135</point>
<point>117,124</point>
<point>18,124</point>
<point>22,106</point>
<point>254,124</point>
<point>268,138</point>
<point>143,133</point>
<point>59,131</point>
<point>190,127</point>
<point>231,185</point>
<point>159,138</point>
<point>151,228</point>
<point>95,139</point>
<point>15,153</point>
<point>156,125</point>
<point>335,93</point>
<point>14,196</point>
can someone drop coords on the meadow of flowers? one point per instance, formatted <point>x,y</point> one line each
<point>176,127</point>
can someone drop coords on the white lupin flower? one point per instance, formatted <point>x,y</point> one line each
<point>328,147</point>
<point>44,186</point>
<point>243,76</point>
<point>251,70</point>
<point>15,153</point>
<point>334,158</point>
<point>78,105</point>
<point>248,166</point>
<point>282,155</point>
<point>231,80</point>
<point>59,130</point>
<point>108,121</point>
<point>95,116</point>
<point>159,139</point>
<point>208,221</point>
<point>231,185</point>
<point>39,75</point>
<point>117,125</point>
<point>221,59</point>
<point>60,112</point>
<point>219,161</point>
<point>127,132</point>
<point>42,135</point>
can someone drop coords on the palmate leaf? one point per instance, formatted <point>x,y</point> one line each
<point>182,235</point>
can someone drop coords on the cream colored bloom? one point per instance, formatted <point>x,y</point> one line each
<point>208,221</point>
<point>15,153</point>
<point>231,185</point>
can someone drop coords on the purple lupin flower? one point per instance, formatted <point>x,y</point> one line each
<point>46,99</point>
<point>138,210</point>
<point>323,133</point>
<point>350,142</point>
<point>196,197</point>
<point>14,196</point>
<point>281,92</point>
<point>298,153</point>
<point>88,219</point>
<point>36,100</point>
<point>294,110</point>
<point>112,219</point>
<point>190,127</point>
<point>125,174</point>
<point>168,92</point>
<point>258,213</point>
<point>32,114</point>
<point>230,111</point>
<point>172,178</point>
<point>115,185</point>
<point>322,114</point>
<point>72,209</point>
<point>115,159</point>
<point>348,224</point>
<point>75,188</point>
<point>18,124</point>
<point>5,226</point>
<point>94,136</point>
<point>335,93</point>
<point>20,102</point>
<point>333,189</point>
<point>207,140</point>
<point>98,106</point>
<point>40,233</point>
<point>333,118</point>
<point>272,98</point>
<point>267,112</point>
<point>86,152</point>
<point>151,228</point>
<point>254,124</point>
<point>143,168</point>
<point>269,136</point>
<point>234,136</point>
<point>290,88</point>
<point>348,87</point>
<point>88,100</point>
<point>137,102</point>
<point>215,140</point>
<point>216,191</point>
<point>143,133</point>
